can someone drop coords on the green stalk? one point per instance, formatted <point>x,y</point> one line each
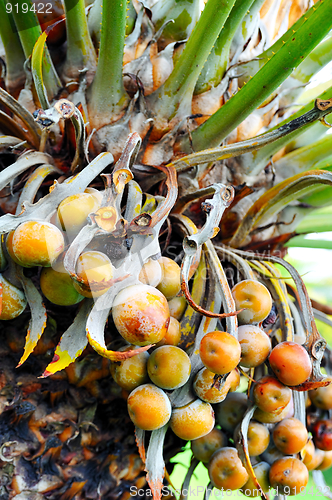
<point>173,98</point>
<point>80,50</point>
<point>107,96</point>
<point>15,76</point>
<point>29,30</point>
<point>216,64</point>
<point>317,24</point>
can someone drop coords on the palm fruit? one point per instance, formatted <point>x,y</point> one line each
<point>151,133</point>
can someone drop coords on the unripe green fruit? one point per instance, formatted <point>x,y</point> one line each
<point>58,287</point>
<point>177,306</point>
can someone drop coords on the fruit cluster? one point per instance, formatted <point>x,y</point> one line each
<point>278,443</point>
<point>148,314</point>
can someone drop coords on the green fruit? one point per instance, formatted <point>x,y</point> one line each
<point>58,287</point>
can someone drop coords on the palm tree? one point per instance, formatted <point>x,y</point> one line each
<point>173,104</point>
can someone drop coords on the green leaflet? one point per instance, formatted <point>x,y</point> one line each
<point>29,32</point>
<point>313,63</point>
<point>318,221</point>
<point>276,198</point>
<point>37,71</point>
<point>301,241</point>
<point>186,482</point>
<point>313,156</point>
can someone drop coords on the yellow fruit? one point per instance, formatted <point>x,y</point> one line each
<point>170,281</point>
<point>193,420</point>
<point>131,372</point>
<point>254,298</point>
<point>36,243</point>
<point>149,407</point>
<point>141,314</point>
<point>73,212</point>
<point>13,300</point>
<point>96,269</point>
<point>169,367</point>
